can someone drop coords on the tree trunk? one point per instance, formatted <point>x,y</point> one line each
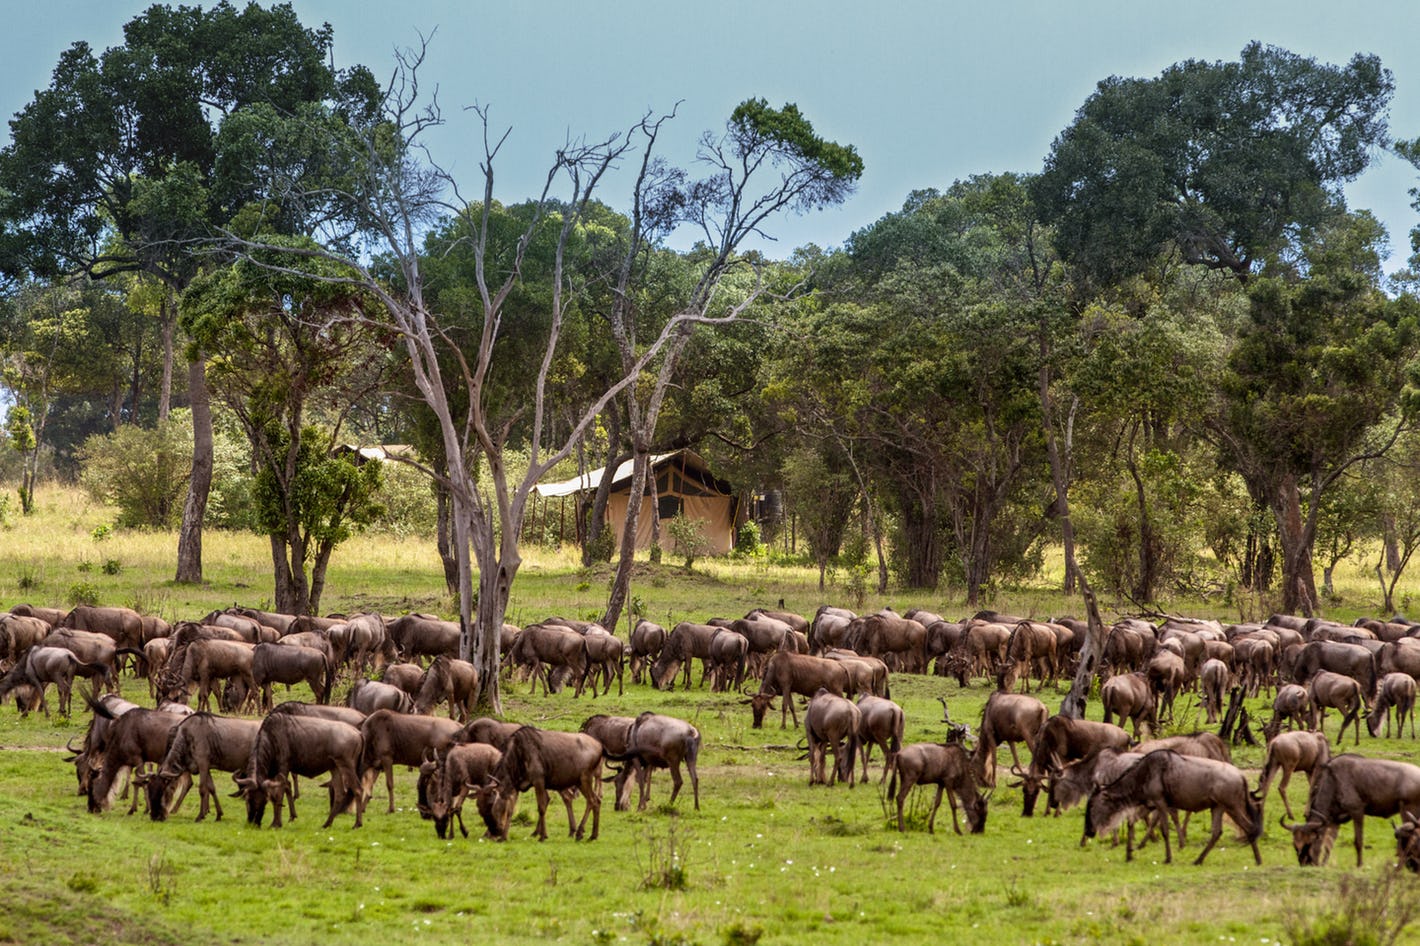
<point>621,582</point>
<point>613,459</point>
<point>189,552</point>
<point>1391,541</point>
<point>922,543</point>
<point>168,317</point>
<point>1298,576</point>
<point>448,554</point>
<point>1148,540</point>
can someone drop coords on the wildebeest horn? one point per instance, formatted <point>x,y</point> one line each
<point>70,746</point>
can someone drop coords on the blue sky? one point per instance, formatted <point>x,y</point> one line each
<point>929,91</point>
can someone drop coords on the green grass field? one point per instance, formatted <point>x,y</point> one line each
<point>767,859</point>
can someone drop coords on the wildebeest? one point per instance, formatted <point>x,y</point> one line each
<point>1292,705</point>
<point>950,769</point>
<point>1032,647</point>
<point>882,724</point>
<point>1396,691</point>
<point>446,778</point>
<point>18,633</point>
<point>364,639</point>
<point>134,738</point>
<point>544,760</point>
<point>1063,740</point>
<point>892,637</point>
<point>1348,788</point>
<point>1129,696</point>
<point>392,739</point>
<point>1338,691</point>
<point>829,628</point>
<point>42,666</point>
<point>292,745</point>
<point>605,658</point>
<point>449,680</point>
<point>685,642</point>
<point>867,674</point>
<point>208,661</point>
<point>727,660</point>
<point>546,647</point>
<point>654,742</point>
<point>1167,672</point>
<point>1290,752</point>
<point>1213,679</point>
<point>1168,783</point>
<point>489,731</point>
<point>123,625</point>
<point>614,733</point>
<point>788,674</point>
<point>647,639</point>
<point>197,745</point>
<point>1010,718</point>
<point>288,664</point>
<point>1076,780</point>
<point>1351,660</point>
<point>367,696</point>
<point>409,677</point>
<point>831,723</point>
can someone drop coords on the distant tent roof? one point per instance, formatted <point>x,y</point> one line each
<point>384,452</point>
<point>622,475</point>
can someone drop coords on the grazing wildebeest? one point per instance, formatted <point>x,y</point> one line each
<point>1351,660</point>
<point>1077,780</point>
<point>419,635</point>
<point>554,646</point>
<point>1292,704</point>
<point>831,723</point>
<point>1032,647</point>
<point>663,742</point>
<point>1168,783</point>
<point>789,674</point>
<point>1396,691</point>
<point>409,677</point>
<point>392,739</point>
<point>647,639</point>
<point>1290,752</point>
<point>950,769</point>
<point>1348,788</point>
<point>613,732</point>
<point>1213,679</point>
<point>685,642</point>
<point>1010,718</point>
<point>367,696</point>
<point>544,760</point>
<point>197,745</point>
<point>727,660</point>
<point>882,724</point>
<point>446,778</point>
<point>42,666</point>
<point>295,745</point>
<point>210,660</point>
<point>1063,740</point>
<point>450,680</point>
<point>138,736</point>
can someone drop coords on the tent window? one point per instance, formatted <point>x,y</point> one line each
<point>668,507</point>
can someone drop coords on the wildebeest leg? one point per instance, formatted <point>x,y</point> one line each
<point>1360,822</point>
<point>389,784</point>
<point>1164,819</point>
<point>591,790</point>
<point>1282,790</point>
<point>207,790</point>
<point>184,786</point>
<point>694,780</point>
<point>1213,838</point>
<point>952,801</point>
<point>643,786</point>
<point>932,816</point>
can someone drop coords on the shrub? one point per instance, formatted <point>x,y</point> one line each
<point>142,471</point>
<point>1366,911</point>
<point>83,592</point>
<point>408,499</point>
<point>690,540</point>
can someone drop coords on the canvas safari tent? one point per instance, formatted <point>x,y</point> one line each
<point>684,485</point>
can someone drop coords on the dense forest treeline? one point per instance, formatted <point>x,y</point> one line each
<point>1171,349</point>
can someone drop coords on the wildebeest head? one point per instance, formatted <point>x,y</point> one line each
<point>760,703</point>
<point>156,785</point>
<point>664,670</point>
<point>1032,780</point>
<point>975,804</point>
<point>1313,841</point>
<point>436,794</point>
<point>259,792</point>
<point>495,806</point>
<point>1407,843</point>
<point>1105,810</point>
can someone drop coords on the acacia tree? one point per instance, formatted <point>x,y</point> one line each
<point>112,169</point>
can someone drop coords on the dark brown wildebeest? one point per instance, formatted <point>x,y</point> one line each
<point>155,661</point>
<point>489,731</point>
<point>942,639</point>
<point>1407,843</point>
<point>545,648</point>
<point>1077,780</point>
<point>50,616</point>
<point>91,648</point>
<point>831,723</point>
<point>91,749</point>
<point>134,738</point>
<point>446,778</point>
<point>18,633</point>
<point>282,622</point>
<point>868,674</point>
<point>728,658</point>
<point>796,621</point>
<point>1213,679</point>
<point>340,714</point>
<point>197,745</point>
<point>448,680</point>
<point>122,625</point>
<point>545,761</point>
<point>418,635</point>
<point>981,646</point>
<point>950,769</point>
<point>1031,647</point>
<point>1063,740</point>
<point>367,696</point>
<point>363,640</point>
<point>400,739</point>
<point>1255,658</point>
<point>1351,660</point>
<point>606,656</point>
<point>42,666</point>
<point>1010,718</point>
<point>613,732</point>
<point>288,664</point>
<point>1338,691</point>
<point>1128,646</point>
<point>829,628</point>
<point>882,724</point>
<point>1396,691</point>
<point>1168,783</point>
<point>1290,752</point>
<point>1202,745</point>
<point>1167,672</point>
<point>295,745</point>
<point>1292,705</point>
<point>1129,696</point>
<point>210,660</point>
<point>654,742</point>
<point>407,676</point>
<point>789,674</point>
<point>764,634</point>
<point>685,642</point>
<point>1348,788</point>
<point>647,639</point>
<point>891,637</point>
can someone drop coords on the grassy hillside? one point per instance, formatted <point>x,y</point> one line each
<point>767,859</point>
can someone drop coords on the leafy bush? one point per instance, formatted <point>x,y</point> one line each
<point>1366,911</point>
<point>690,539</point>
<point>408,500</point>
<point>83,592</point>
<point>142,471</point>
<point>747,538</point>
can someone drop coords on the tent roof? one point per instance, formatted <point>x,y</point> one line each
<point>592,480</point>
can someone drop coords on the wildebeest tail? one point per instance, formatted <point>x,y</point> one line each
<point>328,683</point>
<point>1253,831</point>
<point>892,782</point>
<point>137,655</point>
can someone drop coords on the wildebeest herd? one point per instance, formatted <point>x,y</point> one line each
<point>404,669</point>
